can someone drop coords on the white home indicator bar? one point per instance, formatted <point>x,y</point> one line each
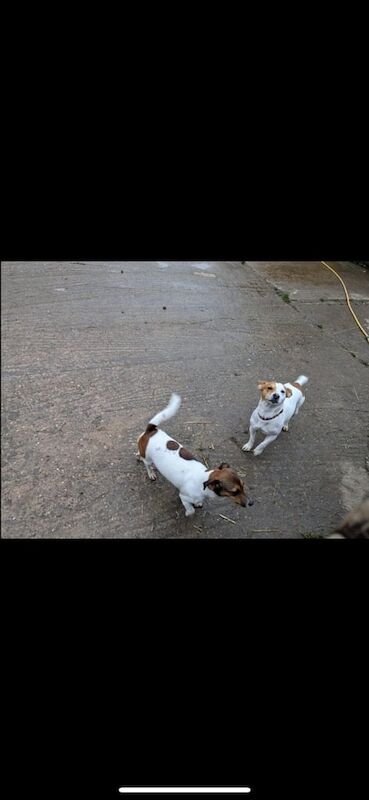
<point>185,789</point>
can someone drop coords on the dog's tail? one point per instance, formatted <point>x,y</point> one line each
<point>301,380</point>
<point>168,412</point>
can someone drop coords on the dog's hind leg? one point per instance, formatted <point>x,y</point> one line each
<point>300,403</point>
<point>150,469</point>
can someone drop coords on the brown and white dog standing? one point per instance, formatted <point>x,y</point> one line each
<point>278,403</point>
<point>195,482</point>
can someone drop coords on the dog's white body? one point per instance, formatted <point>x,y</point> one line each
<point>278,404</point>
<point>188,476</point>
<point>179,466</point>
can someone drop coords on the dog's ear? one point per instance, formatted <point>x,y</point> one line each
<point>214,485</point>
<point>261,385</point>
<point>223,465</point>
<point>288,392</point>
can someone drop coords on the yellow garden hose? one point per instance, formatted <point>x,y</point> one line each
<point>347,300</point>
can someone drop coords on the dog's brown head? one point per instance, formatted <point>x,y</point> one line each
<point>225,482</point>
<point>274,392</point>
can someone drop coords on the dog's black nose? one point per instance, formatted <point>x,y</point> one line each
<point>276,396</point>
<point>250,502</point>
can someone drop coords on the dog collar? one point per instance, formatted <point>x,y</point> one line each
<point>269,418</point>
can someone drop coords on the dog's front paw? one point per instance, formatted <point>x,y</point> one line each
<point>190,513</point>
<point>258,451</point>
<point>247,447</point>
<point>197,505</point>
<point>285,428</point>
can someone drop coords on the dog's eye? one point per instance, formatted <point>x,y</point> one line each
<point>283,392</point>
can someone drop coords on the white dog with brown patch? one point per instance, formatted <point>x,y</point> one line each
<point>278,403</point>
<point>195,482</point>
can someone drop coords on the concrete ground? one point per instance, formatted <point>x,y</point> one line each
<point>90,351</point>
